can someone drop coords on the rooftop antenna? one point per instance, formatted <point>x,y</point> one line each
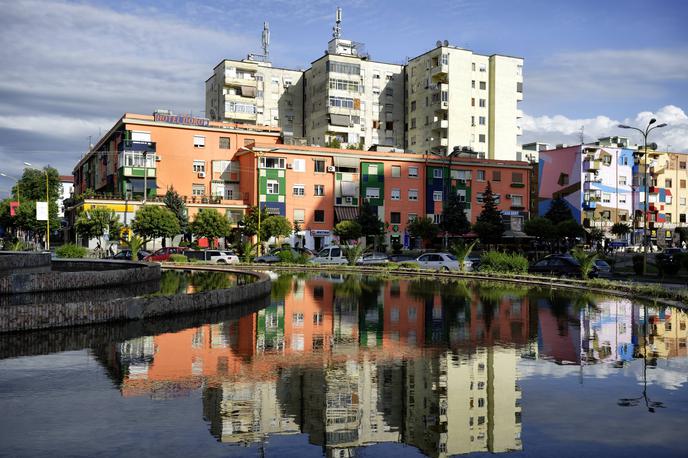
<point>582,135</point>
<point>337,29</point>
<point>266,41</point>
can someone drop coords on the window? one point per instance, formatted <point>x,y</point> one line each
<point>517,177</point>
<point>273,187</point>
<point>682,200</point>
<point>622,180</point>
<point>298,165</point>
<point>481,138</point>
<point>563,179</point>
<point>372,193</point>
<point>199,166</point>
<point>297,319</point>
<point>606,197</point>
<point>683,184</point>
<point>437,196</point>
<point>396,171</point>
<point>238,107</point>
<point>682,217</point>
<point>319,166</point>
<point>496,175</point>
<point>519,87</point>
<point>273,163</point>
<point>319,190</point>
<point>341,67</point>
<point>298,190</point>
<point>224,143</point>
<point>472,101</point>
<point>461,194</point>
<point>198,189</point>
<point>483,85</point>
<point>199,141</point>
<point>437,173</point>
<point>622,198</point>
<point>481,120</point>
<point>413,172</point>
<point>516,201</point>
<point>413,123</point>
<point>344,85</point>
<point>412,217</point>
<point>482,103</point>
<point>389,107</point>
<point>413,194</point>
<point>389,92</point>
<point>473,66</point>
<point>667,183</point>
<point>395,217</point>
<point>396,194</point>
<point>682,165</point>
<point>667,216</point>
<point>413,106</point>
<point>372,169</point>
<point>319,216</point>
<point>299,215</point>
<point>480,175</point>
<point>341,102</point>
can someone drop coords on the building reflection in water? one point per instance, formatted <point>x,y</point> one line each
<point>354,361</point>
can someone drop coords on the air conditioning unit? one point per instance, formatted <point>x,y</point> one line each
<point>290,166</point>
<point>508,196</point>
<point>201,174</point>
<point>331,168</point>
<point>348,200</point>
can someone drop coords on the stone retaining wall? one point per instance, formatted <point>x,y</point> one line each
<point>43,316</point>
<point>25,261</point>
<point>80,274</point>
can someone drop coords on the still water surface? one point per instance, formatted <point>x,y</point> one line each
<point>359,366</point>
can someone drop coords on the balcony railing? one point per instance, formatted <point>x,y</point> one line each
<point>137,145</point>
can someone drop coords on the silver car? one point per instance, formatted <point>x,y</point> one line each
<point>440,261</point>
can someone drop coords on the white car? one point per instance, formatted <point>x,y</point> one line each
<point>441,261</point>
<point>218,257</point>
<point>330,255</point>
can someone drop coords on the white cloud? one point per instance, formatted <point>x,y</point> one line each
<point>561,129</point>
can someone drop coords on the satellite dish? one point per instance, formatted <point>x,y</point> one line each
<point>438,44</point>
<point>446,43</point>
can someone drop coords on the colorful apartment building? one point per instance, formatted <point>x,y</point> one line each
<point>230,167</point>
<point>604,183</point>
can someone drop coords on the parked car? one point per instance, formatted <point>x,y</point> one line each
<point>557,264</point>
<point>216,256</point>
<point>274,257</point>
<point>440,261</point>
<point>330,255</point>
<point>373,259</point>
<point>669,255</point>
<point>163,254</point>
<point>601,269</point>
<point>125,255</point>
<point>401,258</point>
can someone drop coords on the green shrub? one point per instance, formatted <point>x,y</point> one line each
<point>393,266</point>
<point>178,258</point>
<point>71,250</point>
<point>285,256</point>
<point>586,261</point>
<point>301,258</point>
<point>496,261</point>
<point>409,265</point>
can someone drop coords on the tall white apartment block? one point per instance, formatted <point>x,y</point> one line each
<point>444,98</point>
<point>353,100</point>
<point>458,98</point>
<point>254,92</point>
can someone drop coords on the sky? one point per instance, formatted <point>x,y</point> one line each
<point>70,69</point>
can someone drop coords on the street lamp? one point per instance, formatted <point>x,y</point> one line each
<point>47,202</point>
<point>2,174</point>
<point>645,133</point>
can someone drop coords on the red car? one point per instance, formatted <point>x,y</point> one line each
<point>163,254</point>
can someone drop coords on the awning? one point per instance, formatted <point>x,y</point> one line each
<point>667,192</point>
<point>346,213</point>
<point>339,120</point>
<point>248,91</point>
<point>346,161</point>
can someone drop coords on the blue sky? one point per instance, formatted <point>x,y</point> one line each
<point>69,69</point>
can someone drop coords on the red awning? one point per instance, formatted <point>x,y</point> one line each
<point>668,192</point>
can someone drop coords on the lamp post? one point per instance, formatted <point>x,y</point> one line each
<point>3,174</point>
<point>645,133</point>
<point>47,201</point>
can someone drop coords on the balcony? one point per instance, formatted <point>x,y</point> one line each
<point>240,116</point>
<point>590,165</point>
<point>589,205</point>
<point>136,145</point>
<point>439,142</point>
<point>240,81</point>
<point>439,72</point>
<point>441,124</point>
<point>590,184</point>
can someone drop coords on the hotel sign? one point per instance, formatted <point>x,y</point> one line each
<point>181,119</point>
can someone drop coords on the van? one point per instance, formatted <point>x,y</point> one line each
<point>330,255</point>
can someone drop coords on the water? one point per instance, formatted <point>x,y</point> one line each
<point>350,366</point>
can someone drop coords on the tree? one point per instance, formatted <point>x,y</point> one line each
<point>455,220</point>
<point>333,143</point>
<point>249,226</point>
<point>586,261</point>
<point>348,230</point>
<point>276,226</point>
<point>423,228</point>
<point>371,225</point>
<point>176,205</point>
<point>559,211</point>
<point>541,228</point>
<point>620,229</point>
<point>489,225</point>
<point>25,217</point>
<point>32,184</point>
<point>94,223</point>
<point>211,224</point>
<point>152,221</point>
<point>462,251</point>
<point>594,236</point>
